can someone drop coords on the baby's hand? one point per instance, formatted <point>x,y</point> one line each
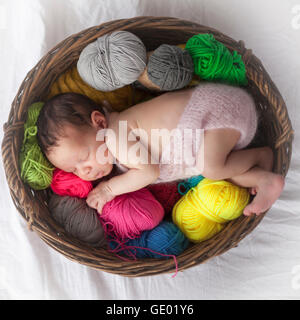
<point>99,196</point>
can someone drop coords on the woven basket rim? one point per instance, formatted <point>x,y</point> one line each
<point>153,31</point>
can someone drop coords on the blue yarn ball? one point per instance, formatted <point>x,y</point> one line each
<point>166,239</point>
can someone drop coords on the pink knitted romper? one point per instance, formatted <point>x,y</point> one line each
<point>211,106</point>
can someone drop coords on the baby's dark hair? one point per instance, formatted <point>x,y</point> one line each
<point>65,108</point>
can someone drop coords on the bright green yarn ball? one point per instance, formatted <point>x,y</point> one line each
<point>35,168</point>
<point>213,61</point>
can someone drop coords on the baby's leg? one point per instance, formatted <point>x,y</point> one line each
<point>221,162</point>
<point>268,186</point>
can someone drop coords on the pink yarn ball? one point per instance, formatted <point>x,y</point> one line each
<point>131,213</point>
<point>68,184</point>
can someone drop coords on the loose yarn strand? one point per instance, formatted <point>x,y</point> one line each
<point>123,248</point>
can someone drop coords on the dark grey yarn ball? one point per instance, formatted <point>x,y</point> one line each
<point>170,67</point>
<point>78,219</point>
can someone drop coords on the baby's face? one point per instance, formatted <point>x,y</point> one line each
<point>77,152</point>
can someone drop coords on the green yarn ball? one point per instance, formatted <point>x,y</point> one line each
<point>213,61</point>
<point>35,168</point>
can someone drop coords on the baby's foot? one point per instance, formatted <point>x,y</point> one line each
<point>267,192</point>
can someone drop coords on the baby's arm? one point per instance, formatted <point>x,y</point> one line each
<point>140,174</point>
<point>143,169</point>
<point>134,179</point>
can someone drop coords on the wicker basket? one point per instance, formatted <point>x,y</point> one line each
<point>275,130</point>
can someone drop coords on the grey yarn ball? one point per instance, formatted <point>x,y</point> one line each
<point>170,67</point>
<point>78,219</point>
<point>112,61</point>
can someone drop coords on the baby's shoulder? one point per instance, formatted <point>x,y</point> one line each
<point>122,121</point>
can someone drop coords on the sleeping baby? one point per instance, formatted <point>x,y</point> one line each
<point>200,130</point>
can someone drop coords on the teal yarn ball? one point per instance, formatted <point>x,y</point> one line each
<point>188,184</point>
<point>214,62</point>
<point>163,241</point>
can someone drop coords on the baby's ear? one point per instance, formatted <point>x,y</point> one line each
<point>98,120</point>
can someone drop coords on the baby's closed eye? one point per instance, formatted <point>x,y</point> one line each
<point>85,157</point>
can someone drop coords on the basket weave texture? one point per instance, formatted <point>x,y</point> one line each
<point>275,130</point>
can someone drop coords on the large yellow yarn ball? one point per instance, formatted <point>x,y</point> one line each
<point>119,99</point>
<point>205,209</point>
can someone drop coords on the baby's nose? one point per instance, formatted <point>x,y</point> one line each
<point>85,171</point>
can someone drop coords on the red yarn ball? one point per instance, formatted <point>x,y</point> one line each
<point>68,184</point>
<point>166,193</point>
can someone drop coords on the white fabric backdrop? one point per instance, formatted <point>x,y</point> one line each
<point>265,265</point>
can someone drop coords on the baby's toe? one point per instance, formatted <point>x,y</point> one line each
<point>252,208</point>
<point>247,211</point>
<point>253,191</point>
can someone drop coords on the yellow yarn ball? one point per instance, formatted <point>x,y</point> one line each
<point>204,210</point>
<point>119,99</point>
<point>192,223</point>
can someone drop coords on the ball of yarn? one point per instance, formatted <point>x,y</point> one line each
<point>35,168</point>
<point>78,219</point>
<point>166,194</point>
<point>204,210</point>
<point>170,67</point>
<point>112,61</point>
<point>119,99</point>
<point>163,241</point>
<point>68,184</point>
<point>185,186</point>
<point>213,61</point>
<point>131,213</point>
